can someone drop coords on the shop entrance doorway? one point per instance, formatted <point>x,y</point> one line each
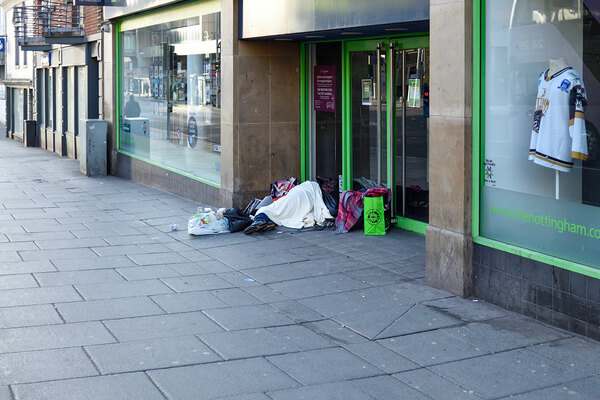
<point>375,130</point>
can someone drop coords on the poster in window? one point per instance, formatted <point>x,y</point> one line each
<point>324,84</point>
<point>366,89</point>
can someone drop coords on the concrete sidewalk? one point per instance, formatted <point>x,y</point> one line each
<point>100,300</point>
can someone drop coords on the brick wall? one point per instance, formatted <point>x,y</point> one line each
<point>92,19</point>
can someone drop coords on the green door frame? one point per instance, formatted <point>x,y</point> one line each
<point>401,42</point>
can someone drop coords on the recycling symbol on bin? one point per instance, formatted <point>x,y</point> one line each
<point>374,216</point>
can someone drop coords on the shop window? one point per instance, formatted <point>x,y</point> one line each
<point>18,110</point>
<point>51,97</point>
<point>70,72</point>
<point>42,97</point>
<point>541,148</point>
<point>46,97</point>
<point>171,94</point>
<point>81,96</point>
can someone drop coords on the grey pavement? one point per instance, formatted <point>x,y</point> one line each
<point>99,299</point>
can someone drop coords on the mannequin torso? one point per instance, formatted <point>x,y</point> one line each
<point>556,65</point>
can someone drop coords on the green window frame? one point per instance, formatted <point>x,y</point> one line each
<point>479,31</point>
<point>402,41</point>
<point>148,18</point>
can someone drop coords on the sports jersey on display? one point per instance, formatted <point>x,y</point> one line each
<point>558,135</point>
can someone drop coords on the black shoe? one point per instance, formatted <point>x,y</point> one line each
<point>269,226</point>
<point>257,226</point>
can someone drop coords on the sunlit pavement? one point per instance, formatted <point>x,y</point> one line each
<point>101,300</point>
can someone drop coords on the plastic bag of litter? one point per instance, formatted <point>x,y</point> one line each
<point>208,222</point>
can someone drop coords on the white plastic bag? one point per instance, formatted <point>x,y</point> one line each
<point>208,222</point>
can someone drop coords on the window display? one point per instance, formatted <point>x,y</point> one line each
<point>171,88</point>
<point>558,134</point>
<point>540,139</point>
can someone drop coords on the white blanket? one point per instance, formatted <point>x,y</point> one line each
<point>302,207</point>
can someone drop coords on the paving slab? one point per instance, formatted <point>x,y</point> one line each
<point>46,365</point>
<point>38,295</point>
<point>96,291</point>
<point>93,263</point>
<point>235,297</point>
<point>469,310</point>
<point>587,386</point>
<point>200,268</point>
<point>148,272</point>
<point>111,387</point>
<point>296,311</point>
<point>388,388</point>
<point>97,310</point>
<point>190,301</point>
<point>433,347</point>
<point>17,281</point>
<point>5,393</point>
<point>248,317</point>
<point>302,337</point>
<point>17,317</point>
<point>161,326</point>
<point>276,273</point>
<point>157,258</point>
<point>323,366</point>
<point>51,244</point>
<point>53,337</point>
<point>248,343</point>
<point>560,392</point>
<point>255,396</point>
<point>317,286</point>
<point>507,333</point>
<point>77,277</point>
<point>241,256</point>
<point>328,391</point>
<point>381,357</point>
<point>18,246</point>
<point>509,373</point>
<point>419,318</point>
<point>334,332</point>
<point>150,354</point>
<point>265,293</point>
<point>231,378</point>
<point>194,283</point>
<point>434,386</point>
<point>576,352</point>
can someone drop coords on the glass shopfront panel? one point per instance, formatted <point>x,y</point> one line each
<point>51,89</point>
<point>70,99</point>
<point>18,110</point>
<point>171,88</point>
<point>541,147</point>
<point>81,95</point>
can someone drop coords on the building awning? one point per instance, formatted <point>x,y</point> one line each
<point>321,20</point>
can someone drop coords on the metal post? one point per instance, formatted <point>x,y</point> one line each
<point>378,95</point>
<point>403,133</point>
<point>390,125</point>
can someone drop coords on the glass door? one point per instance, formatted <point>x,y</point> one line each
<point>411,118</point>
<point>386,129</point>
<point>369,144</point>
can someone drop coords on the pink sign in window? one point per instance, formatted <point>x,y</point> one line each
<point>324,88</point>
